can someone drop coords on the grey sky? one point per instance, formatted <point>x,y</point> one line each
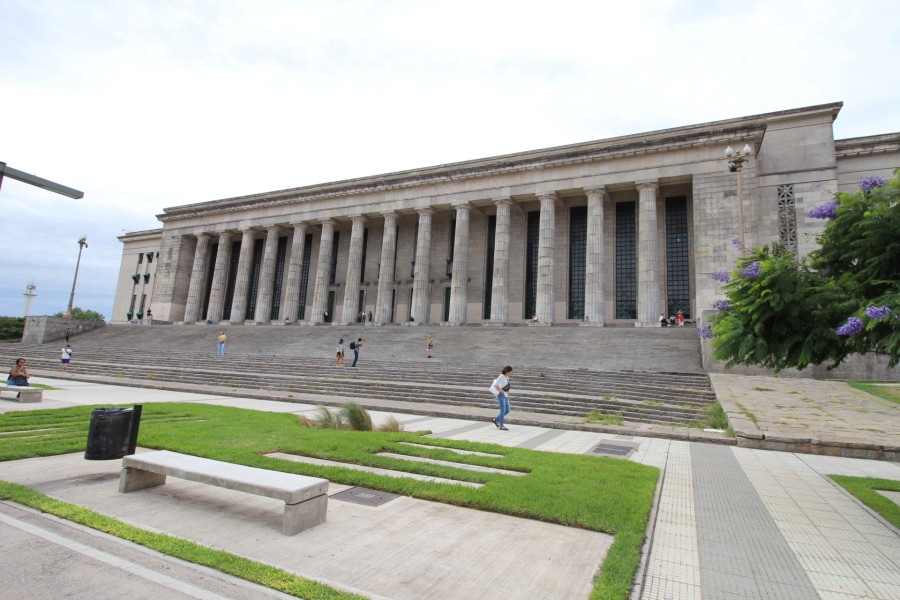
<point>149,104</point>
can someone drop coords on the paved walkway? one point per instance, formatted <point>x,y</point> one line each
<point>730,522</point>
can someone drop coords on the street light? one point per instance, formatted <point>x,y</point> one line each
<point>82,244</point>
<point>736,162</point>
<point>7,171</point>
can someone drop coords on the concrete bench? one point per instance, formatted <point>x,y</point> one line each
<point>23,393</point>
<point>305,498</point>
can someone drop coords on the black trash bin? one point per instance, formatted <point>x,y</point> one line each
<point>112,433</point>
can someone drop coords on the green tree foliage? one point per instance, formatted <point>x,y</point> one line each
<point>844,299</point>
<point>11,328</point>
<point>82,314</point>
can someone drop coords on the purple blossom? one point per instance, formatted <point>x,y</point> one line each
<point>851,327</point>
<point>824,211</point>
<point>877,313</point>
<point>722,276</point>
<point>705,332</point>
<point>736,242</point>
<point>720,304</point>
<point>751,271</point>
<point>870,183</point>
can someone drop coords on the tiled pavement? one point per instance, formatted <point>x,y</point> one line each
<point>729,523</point>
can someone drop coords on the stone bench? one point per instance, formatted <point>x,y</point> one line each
<point>305,498</point>
<point>24,393</point>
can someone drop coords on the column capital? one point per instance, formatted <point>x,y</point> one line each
<point>597,190</point>
<point>650,184</point>
<point>547,196</point>
<point>359,218</point>
<point>425,211</point>
<point>499,201</point>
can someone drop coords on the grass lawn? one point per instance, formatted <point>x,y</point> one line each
<point>890,392</point>
<point>864,489</point>
<point>596,493</point>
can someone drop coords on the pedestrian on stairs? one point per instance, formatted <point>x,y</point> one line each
<point>500,388</point>
<point>429,346</point>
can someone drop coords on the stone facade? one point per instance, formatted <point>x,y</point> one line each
<point>613,231</point>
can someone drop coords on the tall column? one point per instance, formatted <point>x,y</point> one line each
<point>500,277</point>
<point>546,290</point>
<point>594,267</point>
<point>220,278</point>
<point>386,270</point>
<point>198,279</point>
<point>320,295</point>
<point>459,281</point>
<point>267,277</point>
<point>242,279</point>
<point>354,266</point>
<point>295,267</point>
<point>648,255</point>
<point>420,304</point>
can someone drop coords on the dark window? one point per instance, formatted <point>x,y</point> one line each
<point>332,268</point>
<point>149,257</point>
<point>626,261</point>
<point>446,304</point>
<point>577,260</point>
<point>140,259</point>
<point>532,239</point>
<point>304,276</point>
<point>210,272</point>
<point>279,278</point>
<point>365,245</point>
<point>489,265</point>
<point>232,276</point>
<point>450,249</point>
<point>253,289</point>
<point>678,289</point>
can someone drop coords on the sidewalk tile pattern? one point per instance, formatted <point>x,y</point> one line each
<point>743,554</point>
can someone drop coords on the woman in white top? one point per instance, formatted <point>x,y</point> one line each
<point>500,388</point>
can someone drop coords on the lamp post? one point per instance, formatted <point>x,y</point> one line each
<point>736,162</point>
<point>82,244</point>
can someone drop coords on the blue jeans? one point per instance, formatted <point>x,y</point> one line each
<point>355,356</point>
<point>221,351</point>
<point>503,399</point>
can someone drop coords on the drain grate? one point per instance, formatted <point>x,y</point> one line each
<point>365,496</point>
<point>614,449</point>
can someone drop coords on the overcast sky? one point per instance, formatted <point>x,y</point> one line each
<point>144,105</point>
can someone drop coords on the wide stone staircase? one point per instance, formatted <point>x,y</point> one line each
<point>643,375</point>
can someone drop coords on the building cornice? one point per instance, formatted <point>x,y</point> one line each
<point>751,127</point>
<point>141,236</point>
<point>862,146</point>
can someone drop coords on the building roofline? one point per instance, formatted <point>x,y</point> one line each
<point>750,126</point>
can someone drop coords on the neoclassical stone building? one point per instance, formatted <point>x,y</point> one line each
<point>613,231</point>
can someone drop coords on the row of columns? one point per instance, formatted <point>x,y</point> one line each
<point>647,255</point>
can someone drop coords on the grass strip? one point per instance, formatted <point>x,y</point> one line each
<point>886,391</point>
<point>864,488</point>
<point>177,547</point>
<point>603,494</point>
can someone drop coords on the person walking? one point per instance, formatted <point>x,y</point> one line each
<point>429,346</point>
<point>221,348</point>
<point>356,347</point>
<point>68,334</point>
<point>64,358</point>
<point>500,388</point>
<point>339,356</point>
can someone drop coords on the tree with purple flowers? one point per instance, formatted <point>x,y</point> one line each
<point>844,298</point>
